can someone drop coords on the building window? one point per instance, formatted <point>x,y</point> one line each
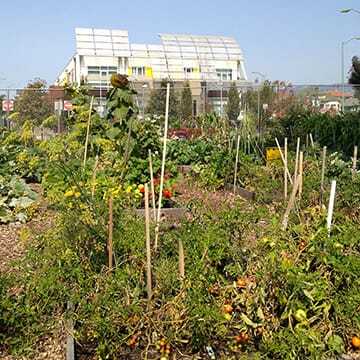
<point>138,71</point>
<point>104,70</point>
<point>224,74</point>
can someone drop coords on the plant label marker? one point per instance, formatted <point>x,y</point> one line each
<point>285,167</point>
<point>236,161</point>
<point>322,174</point>
<point>354,161</point>
<point>110,240</point>
<point>162,166</point>
<point>88,131</point>
<point>283,160</point>
<point>331,206</point>
<point>148,246</point>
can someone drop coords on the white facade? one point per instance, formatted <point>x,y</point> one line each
<point>100,53</point>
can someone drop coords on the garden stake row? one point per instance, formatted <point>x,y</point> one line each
<point>152,184</point>
<point>162,165</point>
<point>148,245</point>
<point>283,160</point>
<point>322,174</point>
<point>331,206</point>
<point>88,131</point>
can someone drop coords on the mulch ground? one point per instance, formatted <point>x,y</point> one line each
<point>13,247</point>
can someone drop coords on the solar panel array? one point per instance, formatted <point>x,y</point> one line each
<point>102,42</point>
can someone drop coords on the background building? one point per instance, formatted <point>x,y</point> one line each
<point>209,63</point>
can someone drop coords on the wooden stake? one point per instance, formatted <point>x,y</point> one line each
<point>307,141</point>
<point>285,167</point>
<point>152,185</point>
<point>331,205</point>
<point>110,240</point>
<point>181,260</point>
<point>291,203</point>
<point>354,161</point>
<point>322,174</point>
<point>301,166</point>
<point>312,141</point>
<point>148,246</point>
<point>162,166</point>
<point>236,162</point>
<point>88,131</point>
<point>283,160</point>
<point>297,158</point>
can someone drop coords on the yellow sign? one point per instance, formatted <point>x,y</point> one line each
<point>149,72</point>
<point>272,153</point>
<point>129,72</point>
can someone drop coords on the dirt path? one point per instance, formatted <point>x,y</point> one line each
<point>13,240</point>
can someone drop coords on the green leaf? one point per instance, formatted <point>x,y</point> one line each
<point>249,322</point>
<point>113,133</point>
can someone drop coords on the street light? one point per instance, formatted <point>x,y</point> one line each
<point>258,97</point>
<point>343,43</point>
<point>346,11</point>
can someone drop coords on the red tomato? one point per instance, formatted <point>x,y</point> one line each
<point>167,193</point>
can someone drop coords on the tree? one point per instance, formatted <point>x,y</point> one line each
<point>33,103</point>
<point>233,103</point>
<point>355,76</point>
<point>157,101</point>
<point>186,102</point>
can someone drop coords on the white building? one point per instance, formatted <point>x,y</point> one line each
<point>209,63</point>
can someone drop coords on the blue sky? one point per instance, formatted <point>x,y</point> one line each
<point>297,41</point>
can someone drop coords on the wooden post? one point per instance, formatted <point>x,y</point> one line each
<point>110,240</point>
<point>331,205</point>
<point>283,160</point>
<point>290,203</point>
<point>312,141</point>
<point>236,162</point>
<point>307,141</point>
<point>88,131</point>
<point>354,161</point>
<point>297,158</point>
<point>285,167</point>
<point>301,167</point>
<point>322,174</point>
<point>148,246</point>
<point>152,185</point>
<point>181,260</point>
<point>162,165</point>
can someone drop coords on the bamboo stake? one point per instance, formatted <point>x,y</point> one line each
<point>148,246</point>
<point>291,203</point>
<point>283,160</point>
<point>162,166</point>
<point>322,174</point>
<point>297,158</point>
<point>307,141</point>
<point>152,185</point>
<point>354,161</point>
<point>301,167</point>
<point>285,167</point>
<point>87,132</point>
<point>236,161</point>
<point>312,141</point>
<point>331,205</point>
<point>110,239</point>
<point>181,260</point>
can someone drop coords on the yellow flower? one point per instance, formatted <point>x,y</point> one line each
<point>128,189</point>
<point>69,193</point>
<point>77,194</point>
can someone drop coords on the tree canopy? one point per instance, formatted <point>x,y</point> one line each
<point>354,78</point>
<point>233,103</point>
<point>186,102</point>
